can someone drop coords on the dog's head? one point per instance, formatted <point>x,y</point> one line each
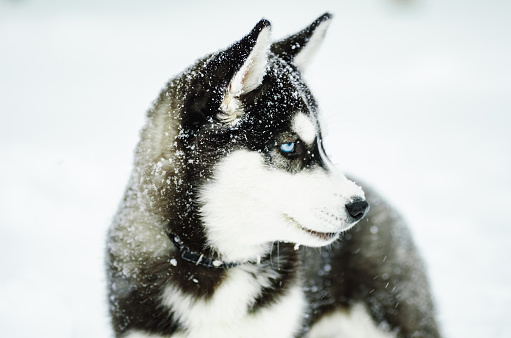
<point>252,147</point>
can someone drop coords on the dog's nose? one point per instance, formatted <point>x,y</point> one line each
<point>357,209</point>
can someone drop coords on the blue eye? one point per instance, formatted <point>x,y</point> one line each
<point>287,147</point>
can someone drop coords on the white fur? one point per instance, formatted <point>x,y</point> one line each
<point>141,334</point>
<point>226,314</point>
<point>304,127</point>
<point>251,74</point>
<point>249,77</point>
<point>303,58</point>
<point>249,204</point>
<point>355,323</point>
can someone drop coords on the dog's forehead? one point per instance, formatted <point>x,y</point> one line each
<point>289,90</point>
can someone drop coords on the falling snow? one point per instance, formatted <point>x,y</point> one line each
<point>419,112</point>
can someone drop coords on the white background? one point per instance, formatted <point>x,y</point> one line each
<point>416,96</point>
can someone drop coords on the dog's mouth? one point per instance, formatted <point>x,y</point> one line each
<point>325,236</point>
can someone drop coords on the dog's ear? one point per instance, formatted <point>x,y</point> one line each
<point>252,51</point>
<point>301,47</point>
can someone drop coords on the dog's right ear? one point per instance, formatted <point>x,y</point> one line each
<point>252,54</point>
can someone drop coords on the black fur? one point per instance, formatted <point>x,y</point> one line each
<point>365,266</point>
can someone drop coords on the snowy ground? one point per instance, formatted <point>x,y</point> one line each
<point>416,96</point>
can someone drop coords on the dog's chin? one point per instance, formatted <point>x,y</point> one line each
<point>318,239</point>
<point>313,238</point>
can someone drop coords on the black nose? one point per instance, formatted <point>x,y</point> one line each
<point>357,209</point>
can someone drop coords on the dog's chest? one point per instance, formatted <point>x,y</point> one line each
<point>234,311</point>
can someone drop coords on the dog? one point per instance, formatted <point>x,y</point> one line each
<point>234,222</point>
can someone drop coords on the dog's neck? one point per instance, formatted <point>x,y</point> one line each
<point>199,258</point>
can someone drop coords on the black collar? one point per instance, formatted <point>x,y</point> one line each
<point>198,258</point>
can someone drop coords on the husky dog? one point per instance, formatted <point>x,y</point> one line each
<point>231,199</point>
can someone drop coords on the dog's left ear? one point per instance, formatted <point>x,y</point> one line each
<point>255,48</point>
<point>301,47</point>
